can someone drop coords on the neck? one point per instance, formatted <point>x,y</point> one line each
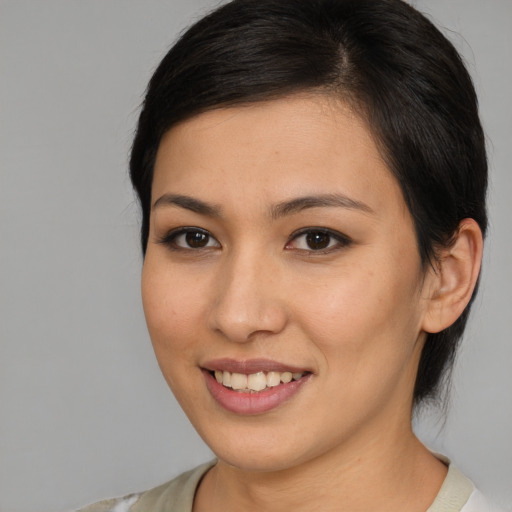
<point>392,472</point>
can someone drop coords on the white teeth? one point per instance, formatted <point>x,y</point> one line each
<point>226,379</point>
<point>273,379</point>
<point>286,377</point>
<point>238,381</point>
<point>255,381</point>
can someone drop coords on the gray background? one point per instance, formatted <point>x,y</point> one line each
<point>84,412</point>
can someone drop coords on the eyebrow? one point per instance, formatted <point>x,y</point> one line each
<point>278,210</point>
<point>189,203</point>
<point>325,200</point>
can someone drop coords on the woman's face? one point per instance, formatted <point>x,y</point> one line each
<point>281,247</point>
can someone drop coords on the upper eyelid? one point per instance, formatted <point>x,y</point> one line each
<point>332,232</point>
<point>172,234</point>
<point>184,229</point>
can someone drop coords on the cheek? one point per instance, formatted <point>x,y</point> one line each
<point>365,331</point>
<point>172,308</point>
<point>362,312</point>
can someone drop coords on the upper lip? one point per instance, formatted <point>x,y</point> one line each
<point>250,366</point>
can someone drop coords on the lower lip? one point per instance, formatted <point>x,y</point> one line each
<point>256,402</point>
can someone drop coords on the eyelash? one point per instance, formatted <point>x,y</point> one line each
<point>342,241</point>
<point>169,240</point>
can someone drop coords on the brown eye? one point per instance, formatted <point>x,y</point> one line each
<point>196,239</point>
<point>190,238</point>
<point>318,240</point>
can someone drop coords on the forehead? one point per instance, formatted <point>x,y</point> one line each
<point>291,146</point>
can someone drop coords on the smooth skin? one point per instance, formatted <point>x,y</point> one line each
<point>239,265</point>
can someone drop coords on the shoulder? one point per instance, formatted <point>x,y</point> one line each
<point>112,505</point>
<point>458,494</point>
<point>178,494</point>
<point>477,502</point>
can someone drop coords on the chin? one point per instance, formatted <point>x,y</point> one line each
<point>262,447</point>
<point>260,461</point>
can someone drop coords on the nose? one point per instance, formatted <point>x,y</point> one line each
<point>247,301</point>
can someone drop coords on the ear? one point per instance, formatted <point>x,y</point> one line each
<point>454,279</point>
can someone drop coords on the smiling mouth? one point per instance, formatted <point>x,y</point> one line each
<point>255,382</point>
<point>255,386</point>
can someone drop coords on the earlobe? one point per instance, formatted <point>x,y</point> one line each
<point>455,278</point>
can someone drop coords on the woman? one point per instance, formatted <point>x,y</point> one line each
<point>312,176</point>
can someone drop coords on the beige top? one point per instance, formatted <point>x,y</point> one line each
<point>457,494</point>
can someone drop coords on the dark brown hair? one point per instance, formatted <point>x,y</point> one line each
<point>384,58</point>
